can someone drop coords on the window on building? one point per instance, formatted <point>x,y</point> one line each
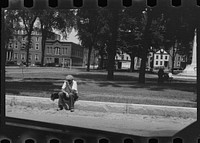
<point>9,55</point>
<point>37,46</point>
<point>47,60</point>
<point>178,64</point>
<point>15,56</point>
<point>161,63</point>
<point>65,50</point>
<point>156,56</point>
<point>10,45</point>
<point>48,50</point>
<point>36,57</point>
<point>37,39</point>
<point>57,50</point>
<point>16,46</point>
<point>126,58</point>
<point>30,57</point>
<point>156,62</point>
<point>165,57</point>
<point>161,56</point>
<point>122,57</point>
<point>23,38</point>
<point>179,58</point>
<point>23,56</point>
<point>23,45</point>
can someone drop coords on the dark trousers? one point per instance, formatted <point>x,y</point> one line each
<point>65,101</point>
<point>160,79</point>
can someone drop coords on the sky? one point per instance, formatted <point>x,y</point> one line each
<point>70,38</point>
<point>73,38</point>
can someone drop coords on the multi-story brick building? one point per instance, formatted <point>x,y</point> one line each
<point>63,53</point>
<point>56,52</point>
<point>16,49</point>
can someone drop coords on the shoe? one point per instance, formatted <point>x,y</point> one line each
<point>66,107</point>
<point>72,110</point>
<point>59,109</point>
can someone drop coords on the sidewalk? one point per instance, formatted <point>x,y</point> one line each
<point>133,119</point>
<point>107,107</point>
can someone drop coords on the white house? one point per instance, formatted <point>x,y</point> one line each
<point>161,59</point>
<point>123,61</point>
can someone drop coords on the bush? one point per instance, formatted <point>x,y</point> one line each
<point>38,63</point>
<point>11,63</point>
<point>50,64</point>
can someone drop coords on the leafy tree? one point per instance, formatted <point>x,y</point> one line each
<point>88,26</point>
<point>51,19</point>
<point>111,18</point>
<point>11,24</point>
<point>179,23</point>
<point>146,42</point>
<point>130,34</point>
<point>28,18</point>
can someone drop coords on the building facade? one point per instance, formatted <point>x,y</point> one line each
<point>56,53</point>
<point>160,59</point>
<point>16,49</point>
<point>63,54</point>
<point>123,61</point>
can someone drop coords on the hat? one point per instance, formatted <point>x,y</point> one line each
<point>69,77</point>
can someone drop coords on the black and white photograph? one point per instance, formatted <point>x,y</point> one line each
<point>124,74</point>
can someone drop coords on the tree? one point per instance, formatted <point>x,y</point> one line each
<point>61,20</point>
<point>146,42</point>
<point>11,25</point>
<point>112,20</point>
<point>130,34</point>
<point>88,26</point>
<point>178,25</point>
<point>28,18</point>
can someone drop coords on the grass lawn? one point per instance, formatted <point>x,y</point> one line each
<point>93,86</point>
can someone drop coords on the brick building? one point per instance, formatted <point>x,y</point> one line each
<point>56,52</point>
<point>59,53</point>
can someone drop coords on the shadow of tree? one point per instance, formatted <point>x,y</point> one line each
<point>16,87</point>
<point>132,82</point>
<point>49,84</point>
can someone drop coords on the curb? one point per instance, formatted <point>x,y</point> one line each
<point>109,107</point>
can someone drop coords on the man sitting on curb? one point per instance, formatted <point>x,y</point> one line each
<point>68,94</point>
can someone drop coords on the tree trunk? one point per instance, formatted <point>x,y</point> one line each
<point>132,62</point>
<point>101,58</point>
<point>143,68</point>
<point>28,47</point>
<point>29,32</point>
<point>111,63</point>
<point>173,55</point>
<point>146,44</point>
<point>112,44</point>
<point>44,37</point>
<point>89,57</point>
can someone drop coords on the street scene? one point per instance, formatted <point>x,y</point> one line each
<point>130,71</point>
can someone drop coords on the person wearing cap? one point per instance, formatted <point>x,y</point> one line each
<point>68,94</point>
